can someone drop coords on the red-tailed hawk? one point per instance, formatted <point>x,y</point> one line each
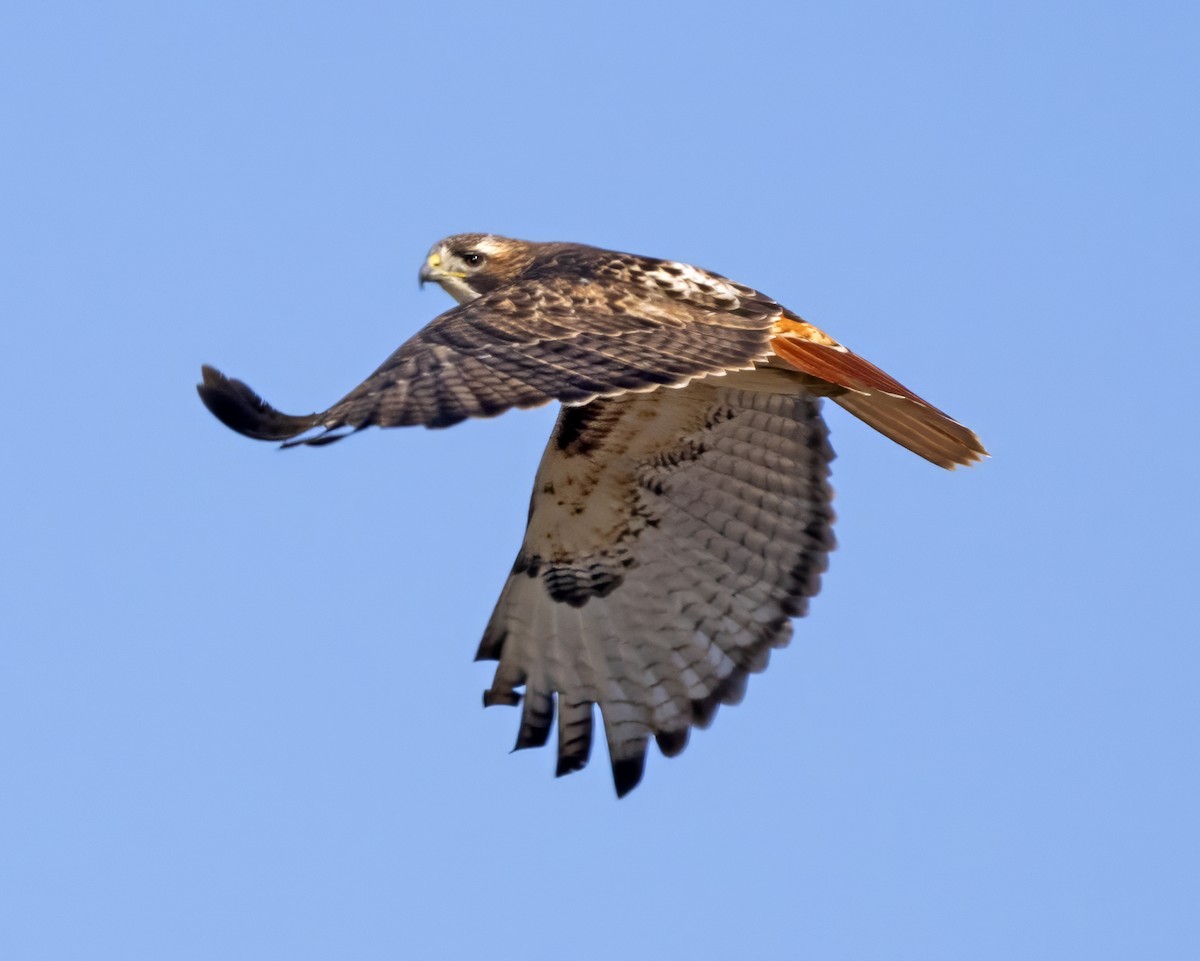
<point>681,513</point>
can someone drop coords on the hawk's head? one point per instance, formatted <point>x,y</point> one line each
<point>467,265</point>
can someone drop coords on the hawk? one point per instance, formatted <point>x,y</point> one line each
<point>680,516</point>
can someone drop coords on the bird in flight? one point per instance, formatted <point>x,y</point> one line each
<point>680,516</point>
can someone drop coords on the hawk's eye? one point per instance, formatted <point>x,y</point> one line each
<point>472,258</point>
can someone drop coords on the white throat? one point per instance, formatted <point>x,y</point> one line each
<point>456,287</point>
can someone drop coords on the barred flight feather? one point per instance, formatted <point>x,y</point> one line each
<point>723,552</point>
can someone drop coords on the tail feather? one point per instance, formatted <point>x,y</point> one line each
<point>926,432</point>
<point>876,398</point>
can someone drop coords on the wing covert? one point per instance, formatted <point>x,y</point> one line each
<point>541,339</point>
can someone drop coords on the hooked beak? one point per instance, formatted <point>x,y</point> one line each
<point>429,269</point>
<point>433,270</point>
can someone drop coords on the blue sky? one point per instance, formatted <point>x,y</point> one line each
<point>238,712</point>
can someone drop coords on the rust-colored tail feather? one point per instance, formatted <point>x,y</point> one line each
<point>923,430</point>
<point>883,402</point>
<point>236,406</point>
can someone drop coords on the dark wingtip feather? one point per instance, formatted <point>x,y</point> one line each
<point>537,716</point>
<point>492,644</point>
<point>672,743</point>
<point>574,735</point>
<point>569,763</point>
<point>492,697</point>
<point>627,772</point>
<point>237,407</point>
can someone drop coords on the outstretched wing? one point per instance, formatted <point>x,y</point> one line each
<point>671,537</point>
<point>567,338</point>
